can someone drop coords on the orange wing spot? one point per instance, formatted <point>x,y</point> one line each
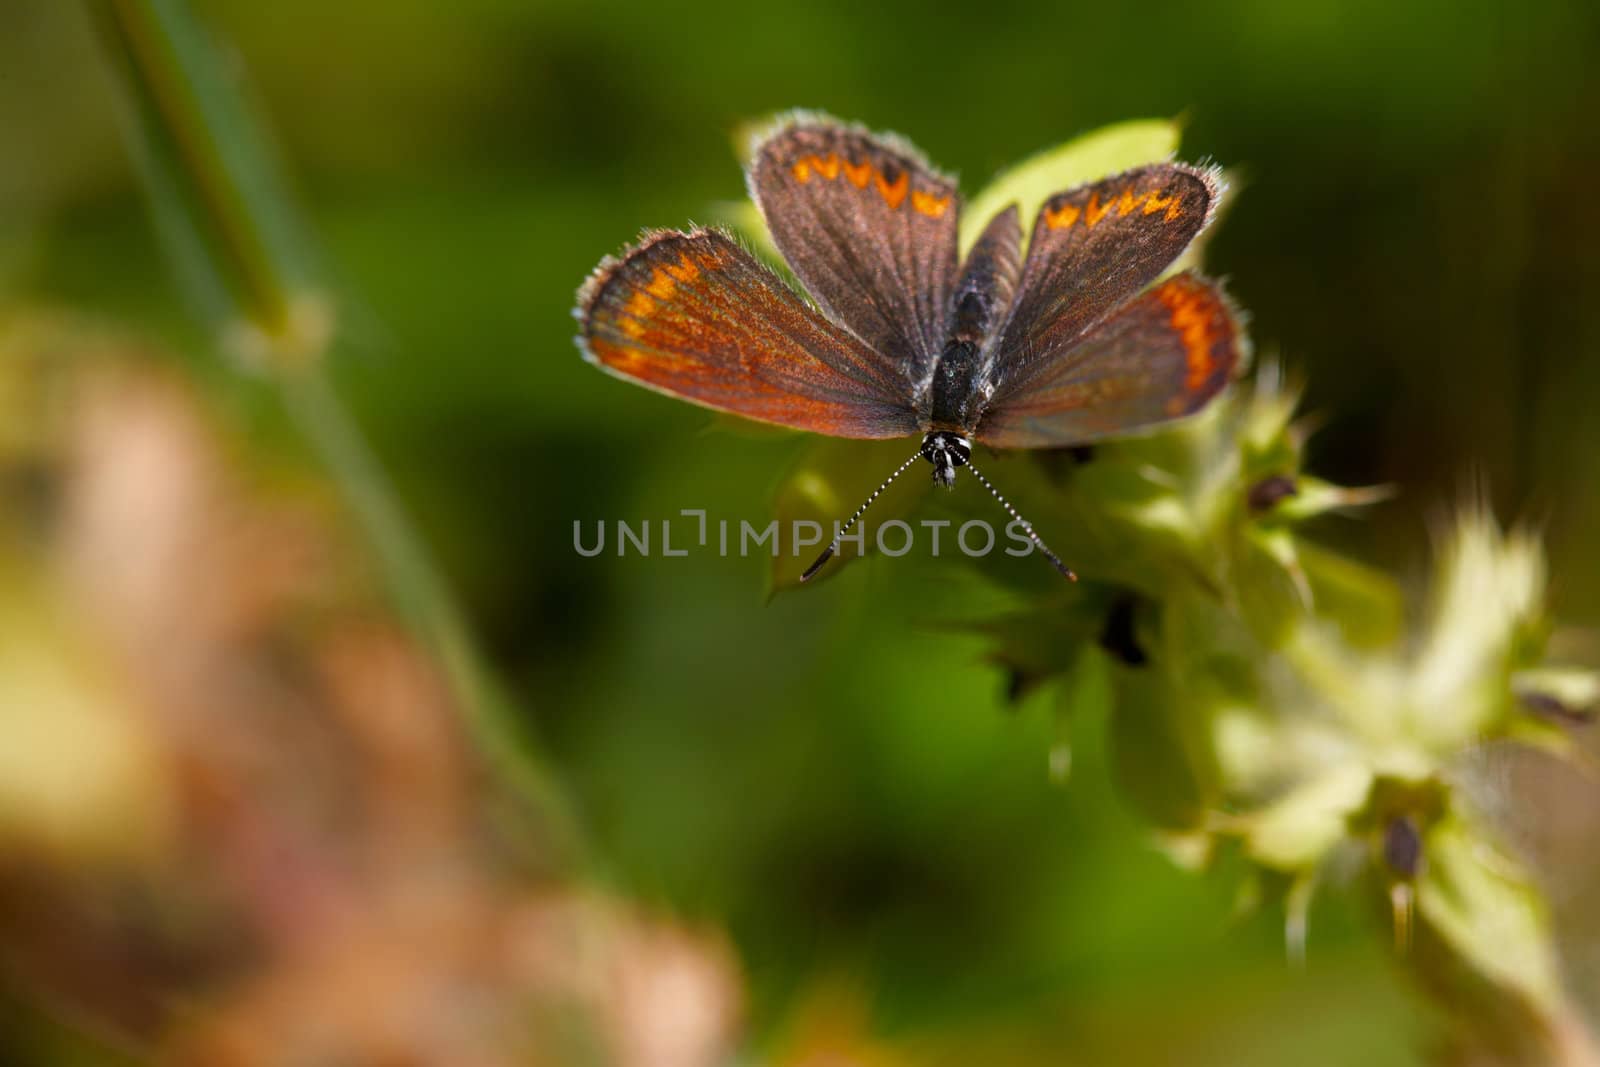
<point>859,175</point>
<point>1128,201</point>
<point>651,366</point>
<point>829,167</point>
<point>801,172</point>
<point>1062,218</point>
<point>1094,212</point>
<point>927,204</point>
<point>660,286</point>
<point>1193,316</point>
<point>1154,202</point>
<point>640,306</point>
<point>894,194</point>
<point>685,272</point>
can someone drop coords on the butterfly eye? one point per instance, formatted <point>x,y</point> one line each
<point>946,451</point>
<point>957,447</point>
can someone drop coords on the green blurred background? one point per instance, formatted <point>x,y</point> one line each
<point>836,777</point>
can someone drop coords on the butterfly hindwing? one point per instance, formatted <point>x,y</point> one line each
<point>869,227</point>
<point>1093,248</point>
<point>695,316</point>
<point>1161,355</point>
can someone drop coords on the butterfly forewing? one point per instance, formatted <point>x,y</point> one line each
<point>1094,248</point>
<point>696,316</point>
<point>869,228</point>
<point>1161,355</point>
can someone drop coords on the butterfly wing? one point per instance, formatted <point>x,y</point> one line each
<point>1161,355</point>
<point>1093,248</point>
<point>870,228</point>
<point>695,316</point>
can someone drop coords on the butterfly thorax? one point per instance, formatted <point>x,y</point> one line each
<point>955,385</point>
<point>961,375</point>
<point>960,385</point>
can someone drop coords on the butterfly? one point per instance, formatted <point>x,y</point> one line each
<point>1080,337</point>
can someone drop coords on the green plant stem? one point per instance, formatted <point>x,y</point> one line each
<point>217,195</point>
<point>167,64</point>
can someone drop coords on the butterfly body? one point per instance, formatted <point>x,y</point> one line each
<point>962,380</point>
<point>1074,335</point>
<point>958,386</point>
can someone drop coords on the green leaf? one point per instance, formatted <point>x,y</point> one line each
<point>1314,497</point>
<point>1083,695</point>
<point>1365,603</point>
<point>1266,409</point>
<point>1086,691</point>
<point>1297,830</point>
<point>1487,599</point>
<point>1485,908</point>
<point>1571,693</point>
<point>1153,762</point>
<point>1269,583</point>
<point>1046,641</point>
<point>1029,184</point>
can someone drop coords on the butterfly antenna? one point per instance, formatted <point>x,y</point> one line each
<point>865,504</point>
<point>1027,527</point>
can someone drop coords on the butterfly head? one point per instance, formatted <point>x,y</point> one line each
<point>946,450</point>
